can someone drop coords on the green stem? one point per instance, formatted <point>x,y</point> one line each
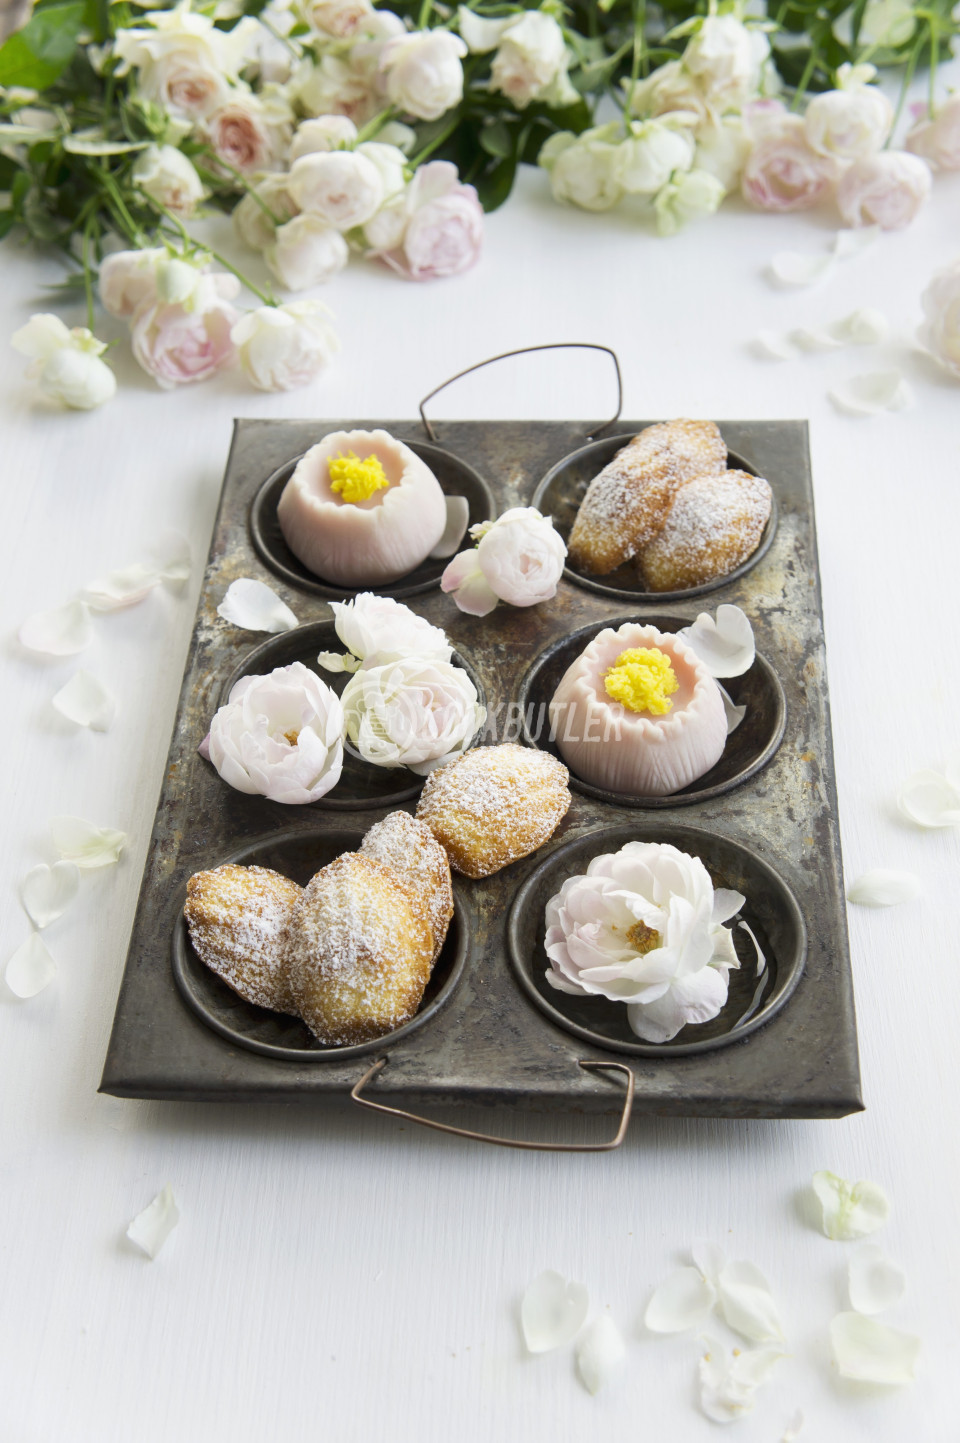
<point>426,10</point>
<point>181,231</point>
<point>373,127</point>
<point>908,74</point>
<point>87,273</point>
<point>934,49</point>
<point>243,182</point>
<point>435,144</point>
<point>639,50</point>
<point>133,231</point>
<point>807,75</point>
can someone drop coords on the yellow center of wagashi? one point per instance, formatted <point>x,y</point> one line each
<point>642,679</point>
<point>356,480</point>
<point>643,939</point>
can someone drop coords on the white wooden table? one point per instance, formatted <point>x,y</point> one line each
<point>345,1278</point>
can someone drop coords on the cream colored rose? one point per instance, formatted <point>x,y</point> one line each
<point>325,132</point>
<point>168,177</point>
<point>531,62</point>
<point>342,187</point>
<point>940,332</point>
<point>283,347</point>
<point>252,223</point>
<point>423,73</point>
<point>726,59</point>
<point>651,153</point>
<point>66,363</point>
<point>306,252</point>
<point>584,170</point>
<point>250,132</point>
<point>184,62</point>
<point>887,190</point>
<point>937,139</point>
<point>851,122</point>
<point>127,279</point>
<point>417,713</point>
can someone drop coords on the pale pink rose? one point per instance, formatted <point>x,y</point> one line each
<point>306,252</point>
<point>249,133</point>
<point>940,332</point>
<point>444,231</point>
<point>339,18</point>
<point>184,87</point>
<point>850,123</point>
<point>885,190</point>
<point>519,558</point>
<point>127,279</point>
<point>937,140</point>
<point>782,171</point>
<point>423,73</point>
<point>325,132</point>
<point>180,343</point>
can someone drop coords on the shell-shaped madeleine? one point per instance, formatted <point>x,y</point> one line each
<point>637,753</point>
<point>362,543</point>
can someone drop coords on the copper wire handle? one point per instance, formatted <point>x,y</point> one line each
<point>523,351</point>
<point>509,1141</point>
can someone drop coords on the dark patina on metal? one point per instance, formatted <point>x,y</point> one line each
<point>490,1040</point>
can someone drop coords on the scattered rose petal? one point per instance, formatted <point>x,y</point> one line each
<point>83,700</point>
<point>930,800</point>
<point>815,338</point>
<point>89,846</point>
<point>31,968</point>
<point>151,1228</point>
<point>121,588</point>
<point>253,606</point>
<point>725,645</point>
<point>793,268</point>
<point>709,1258</point>
<point>871,1352</point>
<point>600,1352</point>
<point>864,327</point>
<point>761,959</point>
<point>747,1304</point>
<point>46,892</point>
<point>849,243</point>
<point>872,393</point>
<point>174,560</point>
<point>875,1282</point>
<point>61,632</point>
<point>952,772</point>
<point>773,346</point>
<point>552,1312</point>
<point>884,888</point>
<point>792,1431</point>
<point>680,1302</point>
<point>733,714</point>
<point>728,1385</point>
<point>850,1210</point>
<point>458,517</point>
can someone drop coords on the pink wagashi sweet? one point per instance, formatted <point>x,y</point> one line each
<point>396,519</point>
<point>652,751</point>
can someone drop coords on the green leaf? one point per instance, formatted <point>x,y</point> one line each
<point>495,184</point>
<point>8,220</point>
<point>498,139</point>
<point>38,54</point>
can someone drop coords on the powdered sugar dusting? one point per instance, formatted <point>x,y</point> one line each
<point>420,865</point>
<point>239,923</point>
<point>715,523</point>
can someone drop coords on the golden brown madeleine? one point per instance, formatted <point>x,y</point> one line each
<point>360,957</point>
<point>494,805</point>
<point>420,865</point>
<point>627,503</point>
<point>714,524</point>
<point>239,922</point>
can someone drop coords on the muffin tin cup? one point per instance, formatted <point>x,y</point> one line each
<point>771,910</point>
<point>362,785</point>
<point>563,488</point>
<point>456,478</point>
<point>299,854</point>
<point>749,747</point>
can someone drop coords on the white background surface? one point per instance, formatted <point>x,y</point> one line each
<point>343,1278</point>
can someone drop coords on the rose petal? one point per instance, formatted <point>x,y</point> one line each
<point>864,327</point>
<point>728,1385</point>
<point>174,561</point>
<point>476,597</point>
<point>61,632</point>
<point>46,892</point>
<point>83,700</point>
<point>849,243</point>
<point>930,800</point>
<point>118,589</point>
<point>31,968</point>
<point>600,1352</point>
<point>792,268</point>
<point>89,846</point>
<point>870,394</point>
<point>875,1282</point>
<point>747,1304</point>
<point>552,1312</point>
<point>792,1431</point>
<point>724,644</point>
<point>871,1352</point>
<point>761,959</point>
<point>734,714</point>
<point>335,661</point>
<point>252,605</point>
<point>884,888</point>
<point>458,515</point>
<point>850,1210</point>
<point>709,1258</point>
<point>682,1301</point>
<point>151,1228</point>
<point>815,338</point>
<point>773,346</point>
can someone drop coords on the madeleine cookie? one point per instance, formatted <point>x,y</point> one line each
<point>239,921</point>
<point>420,865</point>
<point>714,524</point>
<point>494,805</point>
<point>627,503</point>
<point>360,956</point>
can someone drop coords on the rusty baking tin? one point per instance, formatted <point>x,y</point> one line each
<point>491,1038</point>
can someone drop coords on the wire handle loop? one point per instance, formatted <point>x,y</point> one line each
<point>586,1064</point>
<point>523,351</point>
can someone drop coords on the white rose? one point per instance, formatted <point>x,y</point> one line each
<point>341,186</point>
<point>339,18</point>
<point>280,736</point>
<point>168,177</point>
<point>884,24</point>
<point>940,332</point>
<point>416,713</point>
<point>334,87</point>
<point>519,559</point>
<point>282,347</point>
<point>726,59</point>
<point>722,150</point>
<point>650,155</point>
<point>937,140</point>
<point>433,229</point>
<point>185,62</point>
<point>670,88</point>
<point>390,163</point>
<point>585,169</point>
<point>250,132</point>
<point>128,278</point>
<point>885,190</point>
<point>66,363</point>
<point>531,61</point>
<point>423,73</point>
<point>325,132</point>
<point>306,252</point>
<point>848,123</point>
<point>643,926</point>
<point>251,221</point>
<point>377,630</point>
<point>687,197</point>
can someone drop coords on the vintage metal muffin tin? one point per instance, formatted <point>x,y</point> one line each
<point>491,1031</point>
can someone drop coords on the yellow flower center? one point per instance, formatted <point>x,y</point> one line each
<point>642,679</point>
<point>643,939</point>
<point>291,737</point>
<point>356,480</point>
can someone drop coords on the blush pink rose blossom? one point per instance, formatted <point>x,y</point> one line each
<point>885,190</point>
<point>443,233</point>
<point>782,172</point>
<point>178,342</point>
<point>937,139</point>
